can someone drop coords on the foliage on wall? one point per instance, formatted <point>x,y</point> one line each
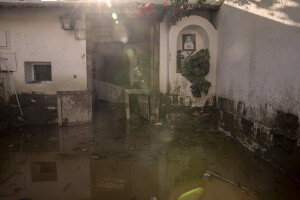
<point>196,67</point>
<point>175,9</point>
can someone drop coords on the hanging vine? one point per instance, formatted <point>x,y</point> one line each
<point>175,9</point>
<point>196,67</point>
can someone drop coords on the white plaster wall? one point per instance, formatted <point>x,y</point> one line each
<point>36,35</point>
<point>258,55</point>
<point>174,82</point>
<point>163,56</point>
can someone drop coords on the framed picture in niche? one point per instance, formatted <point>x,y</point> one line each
<point>188,42</point>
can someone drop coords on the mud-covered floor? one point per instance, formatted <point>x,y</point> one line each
<point>113,159</point>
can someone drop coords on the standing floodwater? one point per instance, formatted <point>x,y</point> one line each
<point>113,159</point>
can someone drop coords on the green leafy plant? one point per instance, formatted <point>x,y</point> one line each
<point>196,67</point>
<point>175,9</point>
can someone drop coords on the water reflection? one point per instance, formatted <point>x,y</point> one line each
<point>115,160</point>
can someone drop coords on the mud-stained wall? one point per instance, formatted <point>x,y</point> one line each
<point>36,36</point>
<point>5,88</point>
<point>109,92</point>
<point>74,107</point>
<point>258,85</point>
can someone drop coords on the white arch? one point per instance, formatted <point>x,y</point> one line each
<point>211,32</point>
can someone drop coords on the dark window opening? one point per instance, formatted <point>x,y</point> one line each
<point>42,73</point>
<point>38,72</point>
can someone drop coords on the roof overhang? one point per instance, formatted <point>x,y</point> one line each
<point>86,3</point>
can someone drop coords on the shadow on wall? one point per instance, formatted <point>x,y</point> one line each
<point>262,4</point>
<point>258,61</point>
<point>290,9</point>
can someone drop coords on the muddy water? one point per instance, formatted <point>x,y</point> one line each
<point>112,159</point>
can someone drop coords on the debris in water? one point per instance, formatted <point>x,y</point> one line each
<point>51,107</point>
<point>11,145</point>
<point>17,190</point>
<point>229,181</point>
<point>66,187</point>
<point>84,150</point>
<point>193,194</point>
<point>206,176</point>
<point>131,148</point>
<point>94,157</point>
<point>157,124</point>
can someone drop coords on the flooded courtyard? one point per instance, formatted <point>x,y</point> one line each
<point>114,159</point>
<point>149,100</point>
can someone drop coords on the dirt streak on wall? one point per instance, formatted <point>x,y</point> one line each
<point>258,85</point>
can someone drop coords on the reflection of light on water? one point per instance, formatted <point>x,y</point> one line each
<point>275,12</point>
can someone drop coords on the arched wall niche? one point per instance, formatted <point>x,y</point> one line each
<point>206,37</point>
<point>202,41</point>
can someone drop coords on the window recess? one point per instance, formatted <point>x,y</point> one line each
<point>38,72</point>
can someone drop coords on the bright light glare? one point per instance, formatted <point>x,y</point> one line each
<point>124,39</point>
<point>108,3</point>
<point>275,12</point>
<point>114,16</point>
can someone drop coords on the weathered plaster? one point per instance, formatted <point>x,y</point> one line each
<point>36,35</point>
<point>163,55</point>
<point>109,92</point>
<point>258,62</point>
<point>5,88</point>
<point>258,85</point>
<point>74,107</point>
